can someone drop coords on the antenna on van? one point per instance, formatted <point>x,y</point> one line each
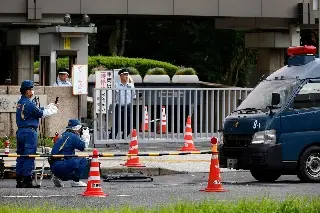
<point>261,78</point>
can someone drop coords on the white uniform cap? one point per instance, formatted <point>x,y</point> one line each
<point>63,72</point>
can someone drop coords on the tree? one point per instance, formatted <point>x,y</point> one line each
<point>217,55</point>
<point>117,39</point>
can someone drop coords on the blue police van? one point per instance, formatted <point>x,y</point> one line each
<point>275,130</point>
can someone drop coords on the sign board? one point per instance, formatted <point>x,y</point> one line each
<point>80,79</point>
<point>104,79</point>
<point>116,76</point>
<point>8,103</point>
<point>66,43</point>
<point>315,4</point>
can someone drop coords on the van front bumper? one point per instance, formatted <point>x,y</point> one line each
<point>254,156</point>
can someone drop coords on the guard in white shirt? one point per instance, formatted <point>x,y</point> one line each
<point>62,79</point>
<point>123,103</point>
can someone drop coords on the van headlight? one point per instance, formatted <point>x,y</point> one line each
<point>220,138</point>
<point>266,137</point>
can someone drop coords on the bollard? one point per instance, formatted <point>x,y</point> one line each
<point>56,137</point>
<point>6,144</point>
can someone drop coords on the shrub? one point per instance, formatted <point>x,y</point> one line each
<point>186,71</point>
<point>36,65</point>
<point>133,71</point>
<point>117,62</point>
<point>156,71</point>
<point>99,68</point>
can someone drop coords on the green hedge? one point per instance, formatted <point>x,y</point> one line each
<point>141,64</point>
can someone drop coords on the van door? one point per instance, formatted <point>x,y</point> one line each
<point>300,123</point>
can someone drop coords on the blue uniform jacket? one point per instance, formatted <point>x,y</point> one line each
<point>28,113</point>
<point>67,144</point>
<point>70,167</point>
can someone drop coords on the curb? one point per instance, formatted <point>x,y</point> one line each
<point>149,171</point>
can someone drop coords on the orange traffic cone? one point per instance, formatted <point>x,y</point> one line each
<point>94,185</point>
<point>133,161</point>
<point>214,181</point>
<point>145,123</point>
<point>164,120</point>
<point>188,140</point>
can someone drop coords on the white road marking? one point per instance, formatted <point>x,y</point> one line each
<point>35,196</point>
<point>122,195</point>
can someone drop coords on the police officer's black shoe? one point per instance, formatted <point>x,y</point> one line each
<point>19,180</point>
<point>27,183</point>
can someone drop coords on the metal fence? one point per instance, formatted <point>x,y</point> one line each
<point>164,110</point>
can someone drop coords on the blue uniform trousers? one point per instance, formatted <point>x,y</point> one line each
<point>27,139</point>
<point>70,169</point>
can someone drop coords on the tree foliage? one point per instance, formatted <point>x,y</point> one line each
<point>217,55</point>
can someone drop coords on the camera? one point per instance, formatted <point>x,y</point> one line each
<point>83,128</point>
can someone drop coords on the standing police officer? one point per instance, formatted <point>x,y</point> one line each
<point>123,102</point>
<point>27,120</point>
<point>62,80</point>
<point>70,168</point>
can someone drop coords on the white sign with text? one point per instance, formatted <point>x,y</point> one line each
<point>104,79</point>
<point>80,79</point>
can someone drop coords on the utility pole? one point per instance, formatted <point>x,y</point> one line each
<point>316,6</point>
<point>318,27</point>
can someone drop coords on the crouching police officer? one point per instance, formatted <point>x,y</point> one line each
<point>27,120</point>
<point>70,168</point>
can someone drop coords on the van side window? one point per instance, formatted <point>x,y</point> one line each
<point>308,97</point>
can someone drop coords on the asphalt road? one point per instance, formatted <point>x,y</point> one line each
<point>163,190</point>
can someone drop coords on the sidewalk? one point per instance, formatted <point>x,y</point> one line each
<point>143,147</point>
<point>154,165</point>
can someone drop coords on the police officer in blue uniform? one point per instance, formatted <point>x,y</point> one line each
<point>27,120</point>
<point>70,168</point>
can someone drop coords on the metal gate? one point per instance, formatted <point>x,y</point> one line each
<point>160,115</point>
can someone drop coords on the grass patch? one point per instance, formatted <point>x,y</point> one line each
<point>289,205</point>
<point>13,142</point>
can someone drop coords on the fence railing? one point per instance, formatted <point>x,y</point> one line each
<point>160,114</point>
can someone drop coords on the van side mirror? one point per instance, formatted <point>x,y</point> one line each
<point>239,101</point>
<point>275,99</point>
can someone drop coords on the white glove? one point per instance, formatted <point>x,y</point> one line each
<point>49,105</point>
<point>86,137</point>
<point>50,109</point>
<point>85,131</point>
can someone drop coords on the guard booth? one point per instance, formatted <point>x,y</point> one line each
<point>71,42</point>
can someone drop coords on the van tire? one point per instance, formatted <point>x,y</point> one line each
<point>265,175</point>
<point>312,155</point>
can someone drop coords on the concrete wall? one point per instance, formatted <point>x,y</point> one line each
<point>68,108</point>
<point>224,8</point>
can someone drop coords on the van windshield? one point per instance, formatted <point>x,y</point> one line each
<point>260,97</point>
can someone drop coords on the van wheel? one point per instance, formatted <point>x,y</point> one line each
<point>309,165</point>
<point>265,175</point>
